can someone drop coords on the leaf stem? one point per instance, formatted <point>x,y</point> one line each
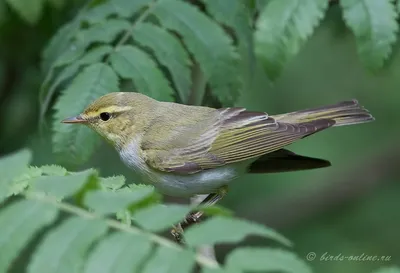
<point>199,86</point>
<point>129,31</point>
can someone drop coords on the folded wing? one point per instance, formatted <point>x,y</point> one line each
<point>238,135</point>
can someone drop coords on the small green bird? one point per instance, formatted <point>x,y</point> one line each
<point>186,150</point>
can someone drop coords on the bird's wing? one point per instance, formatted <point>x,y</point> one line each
<point>236,136</point>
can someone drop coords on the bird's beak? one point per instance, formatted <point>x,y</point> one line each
<point>77,119</point>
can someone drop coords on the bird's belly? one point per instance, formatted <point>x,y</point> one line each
<point>203,182</point>
<point>206,181</point>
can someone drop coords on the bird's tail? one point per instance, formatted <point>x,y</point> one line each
<point>343,113</point>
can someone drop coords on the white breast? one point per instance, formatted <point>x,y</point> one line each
<point>175,184</point>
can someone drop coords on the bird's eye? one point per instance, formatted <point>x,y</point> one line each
<point>105,116</point>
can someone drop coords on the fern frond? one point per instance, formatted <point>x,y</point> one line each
<point>131,63</point>
<point>374,24</point>
<point>282,28</point>
<point>119,252</point>
<point>73,237</point>
<point>20,222</point>
<point>170,53</point>
<point>78,141</point>
<point>102,32</point>
<point>210,45</point>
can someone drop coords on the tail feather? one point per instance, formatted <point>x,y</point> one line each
<point>285,161</point>
<point>343,113</point>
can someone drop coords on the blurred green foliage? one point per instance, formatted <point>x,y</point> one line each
<point>350,208</point>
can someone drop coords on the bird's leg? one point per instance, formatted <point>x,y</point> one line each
<point>194,217</point>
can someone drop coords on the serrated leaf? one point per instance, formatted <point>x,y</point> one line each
<point>282,29</point>
<point>95,55</point>
<point>14,164</point>
<point>228,230</point>
<point>63,186</point>
<point>132,63</point>
<point>233,14</point>
<point>11,166</point>
<point>73,53</point>
<point>112,182</point>
<point>210,45</point>
<point>53,170</point>
<point>103,32</point>
<point>160,217</point>
<point>170,53</point>
<point>30,11</point>
<point>169,260</point>
<point>119,252</point>
<point>21,221</point>
<point>74,142</point>
<point>19,183</point>
<point>58,44</point>
<point>124,8</point>
<point>374,24</point>
<point>392,269</point>
<point>265,260</point>
<point>106,202</point>
<point>92,56</point>
<point>64,248</point>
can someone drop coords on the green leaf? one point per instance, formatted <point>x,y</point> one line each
<point>20,183</point>
<point>214,210</point>
<point>106,202</point>
<point>282,29</point>
<point>233,14</point>
<point>124,8</point>
<point>58,44</point>
<point>30,11</point>
<point>53,170</point>
<point>14,164</point>
<point>208,43</point>
<point>120,253</point>
<point>22,220</point>
<point>63,186</point>
<point>265,260</point>
<point>103,32</point>
<point>92,56</point>
<point>169,260</point>
<point>374,24</point>
<point>228,230</point>
<point>160,217</point>
<point>132,63</point>
<point>64,248</point>
<point>220,270</point>
<point>73,53</point>
<point>112,182</point>
<point>11,166</point>
<point>74,142</point>
<point>170,53</point>
<point>392,269</point>
<point>95,55</point>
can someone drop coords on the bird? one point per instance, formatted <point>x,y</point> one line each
<point>186,150</point>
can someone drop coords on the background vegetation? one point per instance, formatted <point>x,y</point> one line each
<point>276,56</point>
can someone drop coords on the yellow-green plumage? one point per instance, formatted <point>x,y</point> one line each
<point>174,145</point>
